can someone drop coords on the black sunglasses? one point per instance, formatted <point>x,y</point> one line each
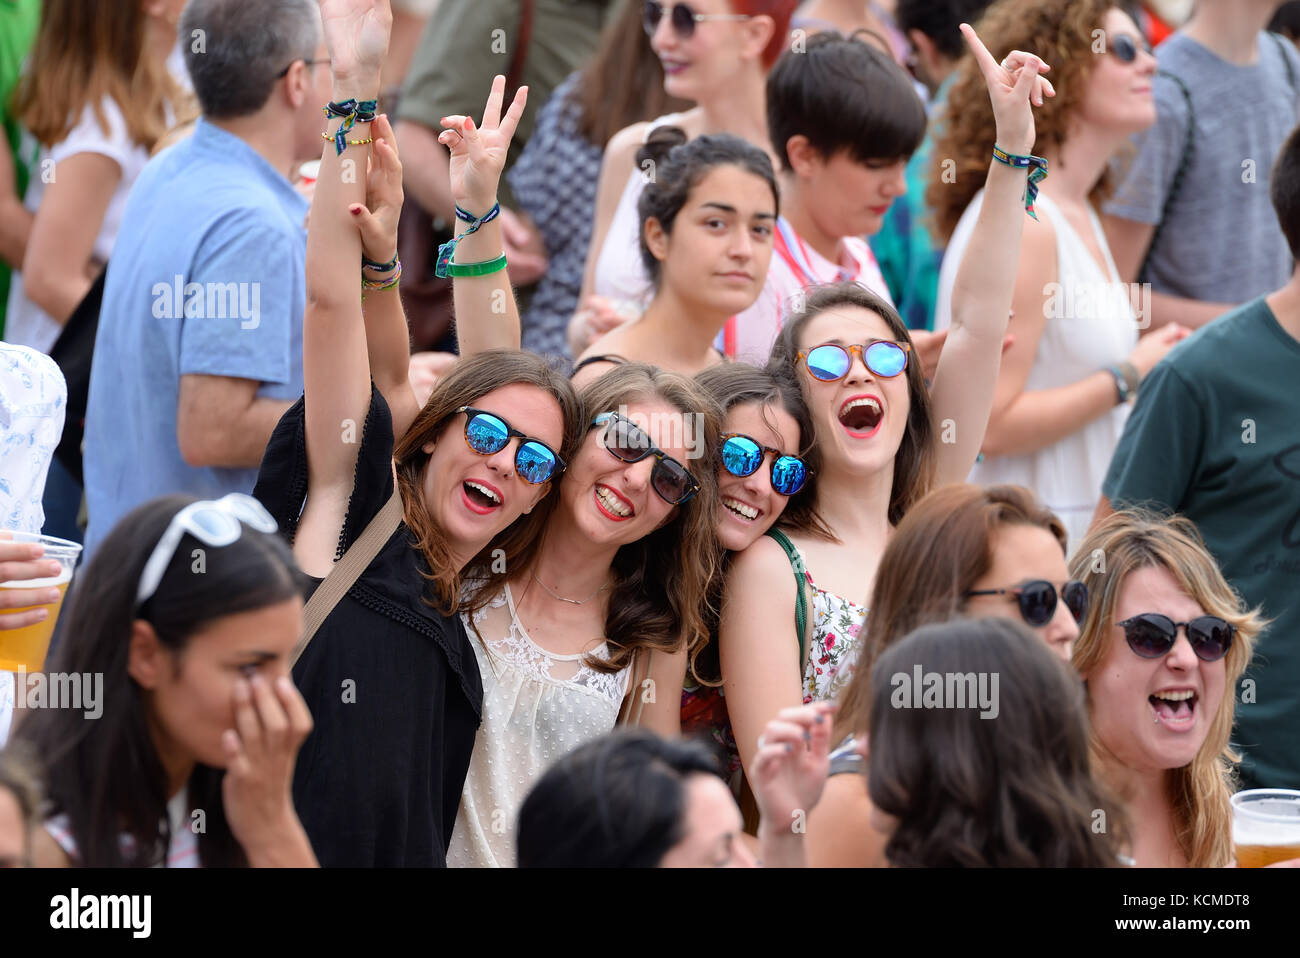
<point>743,455</point>
<point>683,18</point>
<point>487,433</point>
<point>1037,600</point>
<point>627,442</point>
<point>1152,635</point>
<point>311,63</point>
<point>1125,48</point>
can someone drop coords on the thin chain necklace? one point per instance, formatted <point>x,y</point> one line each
<point>555,595</point>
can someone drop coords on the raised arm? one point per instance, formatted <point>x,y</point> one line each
<point>487,316</point>
<point>336,368</point>
<point>968,366</point>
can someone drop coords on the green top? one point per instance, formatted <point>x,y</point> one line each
<point>1214,436</point>
<point>18,22</point>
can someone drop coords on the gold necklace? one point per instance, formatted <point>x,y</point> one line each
<point>562,598</point>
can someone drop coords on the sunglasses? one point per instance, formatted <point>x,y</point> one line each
<point>627,442</point>
<point>310,63</point>
<point>487,433</point>
<point>1037,600</point>
<point>830,362</point>
<point>683,18</point>
<point>214,522</point>
<point>1125,47</point>
<point>742,456</point>
<point>1152,635</point>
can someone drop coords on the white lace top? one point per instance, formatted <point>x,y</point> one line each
<point>537,707</point>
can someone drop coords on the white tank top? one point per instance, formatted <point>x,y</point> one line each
<point>1091,324</point>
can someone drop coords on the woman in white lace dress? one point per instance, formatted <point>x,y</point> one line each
<point>597,619</point>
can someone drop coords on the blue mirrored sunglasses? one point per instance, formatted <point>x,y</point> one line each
<point>742,456</point>
<point>487,433</point>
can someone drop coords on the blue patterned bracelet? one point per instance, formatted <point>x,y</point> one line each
<point>352,112</point>
<point>1037,167</point>
<point>446,250</point>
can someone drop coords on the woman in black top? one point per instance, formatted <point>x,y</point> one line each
<point>390,678</point>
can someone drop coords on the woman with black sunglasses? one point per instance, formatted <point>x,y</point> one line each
<point>598,621</point>
<point>962,551</point>
<point>390,675</point>
<point>1161,650</point>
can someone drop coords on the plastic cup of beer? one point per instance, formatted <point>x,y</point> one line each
<point>24,649</point>
<point>1266,826</point>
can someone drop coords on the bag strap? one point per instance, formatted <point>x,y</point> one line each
<point>347,570</point>
<point>634,703</point>
<point>800,600</point>
<point>1184,162</point>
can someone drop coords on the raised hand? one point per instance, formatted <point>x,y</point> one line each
<point>790,768</point>
<point>478,153</point>
<point>356,33</point>
<point>377,219</point>
<point>1013,85</point>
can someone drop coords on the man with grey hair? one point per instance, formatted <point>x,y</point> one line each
<point>199,350</point>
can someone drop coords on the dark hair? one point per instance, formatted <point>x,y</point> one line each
<point>678,165</point>
<point>105,774</point>
<point>616,802</point>
<point>463,385</point>
<point>939,20</point>
<point>1284,188</point>
<point>19,777</point>
<point>1286,20</point>
<point>623,82</point>
<point>245,43</point>
<point>914,463</point>
<point>843,95</point>
<point>1015,789</point>
<point>731,385</point>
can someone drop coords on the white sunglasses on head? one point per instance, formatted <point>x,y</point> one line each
<point>214,522</point>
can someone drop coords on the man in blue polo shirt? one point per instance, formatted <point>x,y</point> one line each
<point>199,350</point>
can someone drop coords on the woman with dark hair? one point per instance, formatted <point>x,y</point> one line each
<point>607,607</point>
<point>706,222</point>
<point>881,444</point>
<point>189,611</point>
<point>716,54</point>
<point>961,551</point>
<point>997,774</point>
<point>390,674</point>
<point>635,800</point>
<point>1060,403</point>
<point>554,179</point>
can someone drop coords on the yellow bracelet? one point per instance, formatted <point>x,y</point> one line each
<point>370,139</point>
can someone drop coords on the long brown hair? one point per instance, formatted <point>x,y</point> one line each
<point>1132,540</point>
<point>974,789</point>
<point>623,82</point>
<point>1062,34</point>
<point>914,463</point>
<point>87,50</point>
<point>468,380</point>
<point>661,581</point>
<point>943,546</point>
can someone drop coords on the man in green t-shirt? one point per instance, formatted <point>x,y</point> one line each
<point>1215,436</point>
<point>18,22</point>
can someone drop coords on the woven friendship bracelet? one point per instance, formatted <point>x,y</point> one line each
<point>367,263</point>
<point>1037,167</point>
<point>352,112</point>
<point>380,285</point>
<point>446,250</point>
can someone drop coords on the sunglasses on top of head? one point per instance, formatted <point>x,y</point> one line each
<point>831,362</point>
<point>487,433</point>
<point>1124,47</point>
<point>743,456</point>
<point>683,18</point>
<point>1152,635</point>
<point>1037,600</point>
<point>628,442</point>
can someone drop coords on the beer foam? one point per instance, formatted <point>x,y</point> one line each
<point>63,578</point>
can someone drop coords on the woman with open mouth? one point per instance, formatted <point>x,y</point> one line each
<point>1161,650</point>
<point>390,675</point>
<point>597,621</point>
<point>881,443</point>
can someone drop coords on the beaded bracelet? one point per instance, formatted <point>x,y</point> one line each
<point>477,269</point>
<point>446,250</point>
<point>327,137</point>
<point>1037,167</point>
<point>352,113</point>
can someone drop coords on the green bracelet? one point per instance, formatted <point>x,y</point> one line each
<point>477,269</point>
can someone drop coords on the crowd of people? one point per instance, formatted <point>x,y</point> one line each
<point>621,433</point>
